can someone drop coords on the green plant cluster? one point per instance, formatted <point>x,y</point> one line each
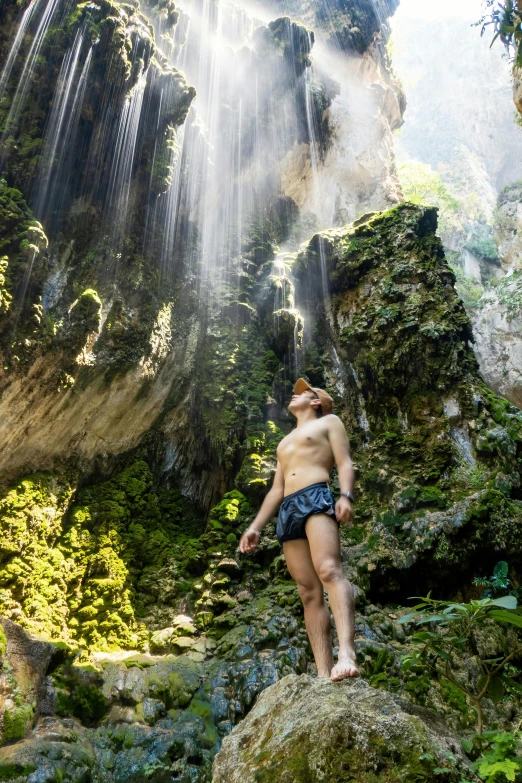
<point>454,636</point>
<point>498,583</point>
<point>508,291</point>
<point>506,19</point>
<point>23,266</point>
<point>87,570</point>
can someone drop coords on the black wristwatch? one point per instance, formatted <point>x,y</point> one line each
<point>349,496</point>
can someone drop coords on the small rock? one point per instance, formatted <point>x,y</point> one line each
<point>229,566</point>
<point>118,714</point>
<point>152,710</point>
<point>182,643</point>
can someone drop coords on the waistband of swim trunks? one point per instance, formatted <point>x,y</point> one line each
<point>305,489</point>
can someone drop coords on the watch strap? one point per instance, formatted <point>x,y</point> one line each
<point>348,495</point>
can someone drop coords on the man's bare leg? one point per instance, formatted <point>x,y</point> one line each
<point>325,551</point>
<point>317,615</point>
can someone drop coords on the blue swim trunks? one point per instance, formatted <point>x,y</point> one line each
<point>299,506</point>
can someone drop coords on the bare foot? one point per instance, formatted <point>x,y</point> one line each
<point>344,668</point>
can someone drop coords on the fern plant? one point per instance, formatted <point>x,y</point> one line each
<point>447,633</point>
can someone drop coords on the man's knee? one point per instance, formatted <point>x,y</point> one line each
<point>329,570</point>
<point>311,594</point>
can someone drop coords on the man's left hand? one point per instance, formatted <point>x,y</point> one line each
<point>344,511</point>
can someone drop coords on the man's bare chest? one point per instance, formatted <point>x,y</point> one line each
<point>303,439</point>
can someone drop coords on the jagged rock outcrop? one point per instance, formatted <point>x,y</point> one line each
<point>25,663</point>
<point>352,26</point>
<point>497,328</point>
<point>303,729</point>
<point>398,338</point>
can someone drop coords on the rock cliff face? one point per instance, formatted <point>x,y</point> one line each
<point>128,564</point>
<point>448,102</point>
<point>150,280</point>
<point>106,311</point>
<point>497,318</point>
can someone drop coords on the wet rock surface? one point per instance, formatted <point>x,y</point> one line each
<point>158,717</point>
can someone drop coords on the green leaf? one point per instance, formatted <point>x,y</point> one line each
<point>406,618</point>
<point>442,654</point>
<point>457,640</point>
<point>432,618</point>
<point>496,690</point>
<point>507,767</point>
<point>511,682</point>
<point>507,602</point>
<point>506,617</point>
<point>467,745</point>
<point>501,569</point>
<point>456,608</point>
<point>425,636</point>
<point>482,681</point>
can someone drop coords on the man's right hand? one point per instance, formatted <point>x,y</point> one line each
<point>249,541</point>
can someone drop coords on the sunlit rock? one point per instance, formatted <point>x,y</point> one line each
<point>303,729</point>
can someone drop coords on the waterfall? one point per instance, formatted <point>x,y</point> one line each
<point>27,74</point>
<point>17,43</point>
<point>122,165</point>
<point>204,201</point>
<point>317,183</point>
<point>61,129</point>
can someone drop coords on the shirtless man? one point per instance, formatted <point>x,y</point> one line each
<point>308,524</point>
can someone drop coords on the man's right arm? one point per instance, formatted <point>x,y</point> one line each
<point>269,508</point>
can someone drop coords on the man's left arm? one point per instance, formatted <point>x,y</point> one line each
<point>341,451</point>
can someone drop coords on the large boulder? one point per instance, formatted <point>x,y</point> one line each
<point>303,730</point>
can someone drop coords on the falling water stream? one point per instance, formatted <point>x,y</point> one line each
<point>61,127</point>
<point>251,137</point>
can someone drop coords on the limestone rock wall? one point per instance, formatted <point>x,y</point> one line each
<point>497,318</point>
<point>104,315</point>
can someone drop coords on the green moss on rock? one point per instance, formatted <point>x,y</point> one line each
<point>422,423</point>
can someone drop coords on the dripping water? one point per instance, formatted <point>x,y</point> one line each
<point>60,133</point>
<point>17,43</point>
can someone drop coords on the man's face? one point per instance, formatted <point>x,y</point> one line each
<point>303,401</point>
